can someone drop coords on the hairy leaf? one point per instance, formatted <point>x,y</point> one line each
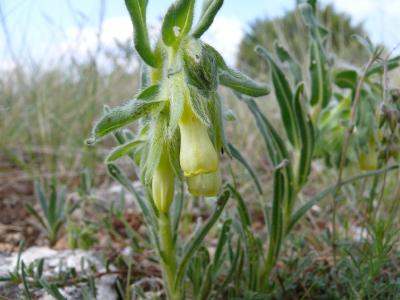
<point>306,130</point>
<point>123,150</point>
<point>121,116</point>
<point>320,79</point>
<point>210,10</point>
<point>137,11</point>
<point>177,21</point>
<point>240,158</point>
<point>284,96</point>
<point>285,57</point>
<point>196,240</point>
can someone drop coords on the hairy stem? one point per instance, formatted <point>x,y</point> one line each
<point>168,259</point>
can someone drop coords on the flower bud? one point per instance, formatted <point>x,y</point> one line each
<point>197,153</point>
<point>204,184</point>
<point>163,184</point>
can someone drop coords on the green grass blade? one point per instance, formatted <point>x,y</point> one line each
<point>27,292</point>
<point>41,198</point>
<point>52,216</point>
<point>35,214</point>
<point>51,289</point>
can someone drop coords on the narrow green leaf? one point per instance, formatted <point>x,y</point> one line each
<point>378,67</point>
<point>346,79</point>
<point>242,83</point>
<point>210,10</point>
<point>121,177</point>
<point>236,80</point>
<point>20,250</point>
<point>285,57</point>
<point>223,237</point>
<point>177,21</point>
<point>195,242</point>
<point>277,153</point>
<point>365,42</point>
<point>242,208</point>
<point>35,214</point>
<point>27,292</point>
<point>177,208</point>
<point>137,12</point>
<point>320,79</point>
<point>277,224</point>
<point>206,285</point>
<point>321,195</point>
<point>317,30</point>
<point>42,198</point>
<point>51,289</point>
<point>235,265</point>
<point>240,158</point>
<point>121,116</point>
<point>306,136</point>
<point>252,252</point>
<point>284,96</point>
<point>123,150</point>
<point>149,93</point>
<point>52,217</point>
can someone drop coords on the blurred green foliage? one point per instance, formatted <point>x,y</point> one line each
<point>291,32</point>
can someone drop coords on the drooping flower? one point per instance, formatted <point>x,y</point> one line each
<point>197,153</point>
<point>207,185</point>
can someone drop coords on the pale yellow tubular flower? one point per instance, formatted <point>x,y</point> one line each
<point>197,153</point>
<point>207,185</point>
<point>163,183</point>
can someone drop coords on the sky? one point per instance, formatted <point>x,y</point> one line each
<point>41,30</point>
